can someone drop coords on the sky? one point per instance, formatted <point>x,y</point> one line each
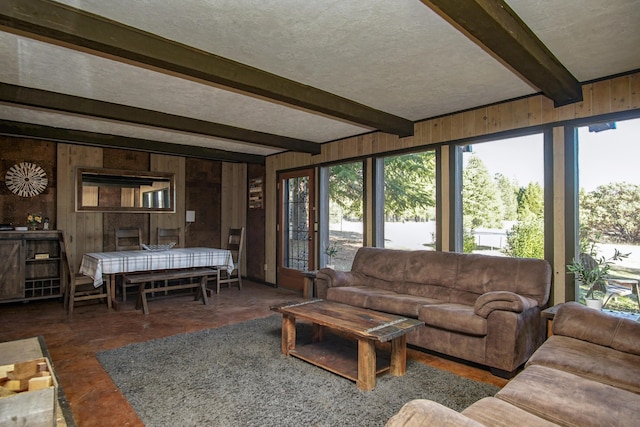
<point>604,157</point>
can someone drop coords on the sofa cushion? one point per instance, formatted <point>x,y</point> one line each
<point>523,276</point>
<point>570,400</point>
<point>401,304</point>
<point>498,413</point>
<point>352,295</point>
<point>379,299</point>
<point>454,317</point>
<point>432,268</point>
<point>426,413</point>
<point>576,321</point>
<point>384,264</point>
<point>591,361</point>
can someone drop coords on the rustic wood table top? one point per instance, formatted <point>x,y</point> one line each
<point>358,321</point>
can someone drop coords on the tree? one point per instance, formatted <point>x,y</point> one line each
<point>346,188</point>
<point>509,194</point>
<point>531,199</point>
<point>481,202</point>
<point>612,210</point>
<point>409,185</point>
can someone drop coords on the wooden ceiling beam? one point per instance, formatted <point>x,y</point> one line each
<point>70,27</point>
<point>495,27</point>
<point>90,107</point>
<point>72,136</point>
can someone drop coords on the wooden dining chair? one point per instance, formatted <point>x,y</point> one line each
<point>234,244</point>
<point>128,239</point>
<point>80,287</point>
<point>169,235</point>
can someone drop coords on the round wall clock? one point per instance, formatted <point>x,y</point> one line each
<point>26,179</point>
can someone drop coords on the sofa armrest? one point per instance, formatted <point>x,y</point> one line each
<point>577,321</point>
<point>423,413</point>
<point>329,278</point>
<point>504,301</point>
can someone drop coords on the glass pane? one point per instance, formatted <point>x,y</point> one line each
<point>609,204</point>
<point>503,197</point>
<point>346,231</point>
<point>410,201</point>
<point>297,220</point>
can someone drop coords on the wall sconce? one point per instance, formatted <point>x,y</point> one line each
<point>190,218</point>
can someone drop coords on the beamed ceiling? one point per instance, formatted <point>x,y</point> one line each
<point>238,80</point>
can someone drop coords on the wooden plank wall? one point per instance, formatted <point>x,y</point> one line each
<point>84,231</point>
<point>607,96</point>
<point>234,203</point>
<point>89,225</point>
<point>175,165</point>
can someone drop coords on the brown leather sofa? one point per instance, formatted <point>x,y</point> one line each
<point>484,309</point>
<point>586,374</point>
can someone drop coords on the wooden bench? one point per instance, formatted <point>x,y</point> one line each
<point>165,277</point>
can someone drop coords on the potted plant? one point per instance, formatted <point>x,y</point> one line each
<point>330,251</point>
<point>593,272</point>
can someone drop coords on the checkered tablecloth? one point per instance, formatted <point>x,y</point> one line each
<point>96,264</point>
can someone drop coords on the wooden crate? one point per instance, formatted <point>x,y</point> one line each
<point>35,407</point>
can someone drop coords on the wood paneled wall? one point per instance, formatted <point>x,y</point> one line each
<point>607,96</point>
<point>15,208</point>
<point>255,233</point>
<point>234,203</point>
<point>176,165</point>
<point>83,230</point>
<point>203,192</point>
<point>132,161</point>
<point>216,191</point>
<point>94,231</point>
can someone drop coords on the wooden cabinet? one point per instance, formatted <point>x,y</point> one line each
<point>12,268</point>
<point>31,265</point>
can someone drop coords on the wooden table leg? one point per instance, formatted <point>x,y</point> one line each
<point>111,282</point>
<point>398,356</point>
<point>317,332</point>
<point>288,333</point>
<point>366,364</point>
<point>203,289</point>
<point>109,291</point>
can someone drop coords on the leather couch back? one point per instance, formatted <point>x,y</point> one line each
<point>453,277</point>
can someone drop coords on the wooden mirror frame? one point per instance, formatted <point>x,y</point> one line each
<point>110,184</point>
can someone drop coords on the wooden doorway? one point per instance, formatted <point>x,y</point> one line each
<point>295,227</point>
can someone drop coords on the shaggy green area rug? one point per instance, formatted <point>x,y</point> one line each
<point>237,376</point>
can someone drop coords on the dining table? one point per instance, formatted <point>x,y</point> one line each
<point>101,265</point>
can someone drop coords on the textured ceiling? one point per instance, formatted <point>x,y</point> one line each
<point>399,57</point>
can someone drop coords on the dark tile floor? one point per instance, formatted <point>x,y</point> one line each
<point>73,342</point>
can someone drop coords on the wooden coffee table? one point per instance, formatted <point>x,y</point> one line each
<point>366,326</point>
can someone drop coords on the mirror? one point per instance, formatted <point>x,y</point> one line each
<point>111,190</point>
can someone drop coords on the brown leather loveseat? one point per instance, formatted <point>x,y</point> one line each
<point>484,309</point>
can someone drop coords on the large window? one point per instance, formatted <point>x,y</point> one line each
<point>410,201</point>
<point>343,219</point>
<point>609,200</point>
<point>503,197</point>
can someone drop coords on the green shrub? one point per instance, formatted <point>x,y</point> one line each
<point>469,241</point>
<point>526,238</point>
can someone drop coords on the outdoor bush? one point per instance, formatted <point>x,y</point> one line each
<point>469,241</point>
<point>526,238</point>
